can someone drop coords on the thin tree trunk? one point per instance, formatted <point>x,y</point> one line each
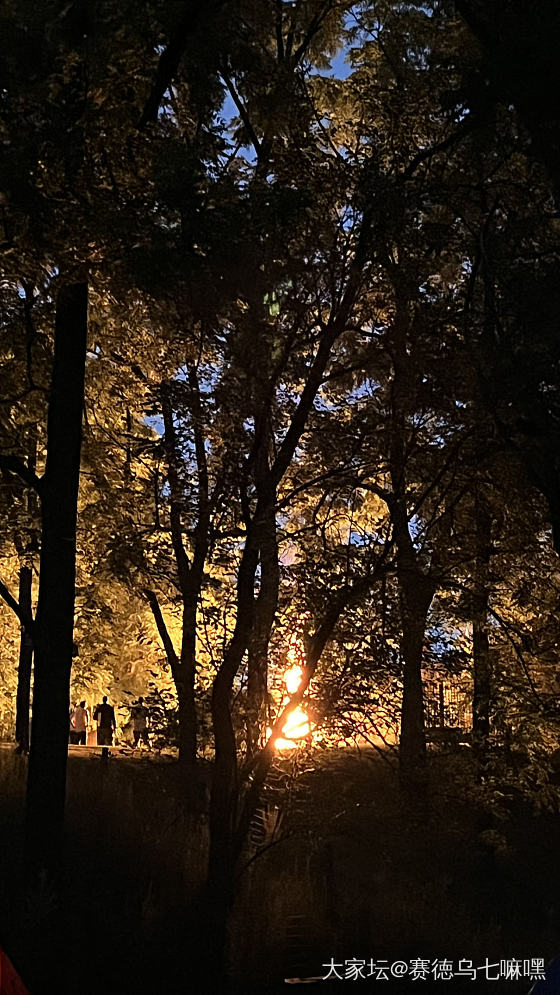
<point>46,786</point>
<point>265,610</point>
<point>415,599</point>
<point>28,548</point>
<point>23,694</point>
<point>190,571</point>
<point>224,797</point>
<point>183,673</point>
<point>416,588</point>
<point>185,685</point>
<point>482,669</point>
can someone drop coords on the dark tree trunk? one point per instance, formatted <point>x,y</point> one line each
<point>257,684</point>
<point>254,620</point>
<point>46,786</point>
<point>224,797</point>
<point>222,860</point>
<point>185,685</point>
<point>523,34</point>
<point>416,588</point>
<point>28,548</point>
<point>183,673</point>
<point>265,610</point>
<point>482,669</point>
<point>482,684</point>
<point>190,571</point>
<point>416,594</point>
<point>25,663</point>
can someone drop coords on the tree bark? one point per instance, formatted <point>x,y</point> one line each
<point>264,614</point>
<point>46,786</point>
<point>482,669</point>
<point>23,694</point>
<point>416,587</point>
<point>183,673</point>
<point>415,594</point>
<point>185,685</point>
<point>29,546</point>
<point>190,571</point>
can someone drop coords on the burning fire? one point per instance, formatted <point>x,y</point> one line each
<point>297,725</point>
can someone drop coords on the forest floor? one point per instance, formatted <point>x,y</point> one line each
<point>338,870</point>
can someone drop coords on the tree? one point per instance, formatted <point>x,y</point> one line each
<point>512,36</point>
<point>520,304</point>
<point>48,183</point>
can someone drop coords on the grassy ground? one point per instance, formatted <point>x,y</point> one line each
<point>339,868</point>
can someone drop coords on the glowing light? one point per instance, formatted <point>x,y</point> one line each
<point>292,678</point>
<point>297,726</point>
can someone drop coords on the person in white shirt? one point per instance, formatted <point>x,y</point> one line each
<point>80,723</point>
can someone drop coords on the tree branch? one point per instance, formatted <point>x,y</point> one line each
<point>26,620</point>
<point>465,128</point>
<point>172,54</point>
<point>314,26</point>
<point>257,144</point>
<point>170,448</point>
<point>13,464</point>
<point>334,329</point>
<point>201,531</point>
<point>279,32</point>
<point>163,630</point>
<point>259,767</point>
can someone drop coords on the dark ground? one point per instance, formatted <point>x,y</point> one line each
<point>347,871</point>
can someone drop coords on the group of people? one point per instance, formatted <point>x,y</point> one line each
<point>104,715</point>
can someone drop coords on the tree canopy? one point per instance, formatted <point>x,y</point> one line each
<point>318,246</point>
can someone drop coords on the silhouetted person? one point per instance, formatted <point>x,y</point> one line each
<point>106,725</point>
<point>80,722</point>
<point>140,722</point>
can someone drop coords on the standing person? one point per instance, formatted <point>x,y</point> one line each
<point>106,722</point>
<point>140,723</point>
<point>73,734</point>
<point>81,721</point>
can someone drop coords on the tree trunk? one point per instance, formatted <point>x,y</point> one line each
<point>265,610</point>
<point>482,670</point>
<point>185,682</point>
<point>257,684</point>
<point>28,548</point>
<point>416,588</point>
<point>25,662</point>
<point>183,672</point>
<point>224,797</point>
<point>46,786</point>
<point>416,594</point>
<point>220,881</point>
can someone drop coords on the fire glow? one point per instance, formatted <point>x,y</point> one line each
<point>297,725</point>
